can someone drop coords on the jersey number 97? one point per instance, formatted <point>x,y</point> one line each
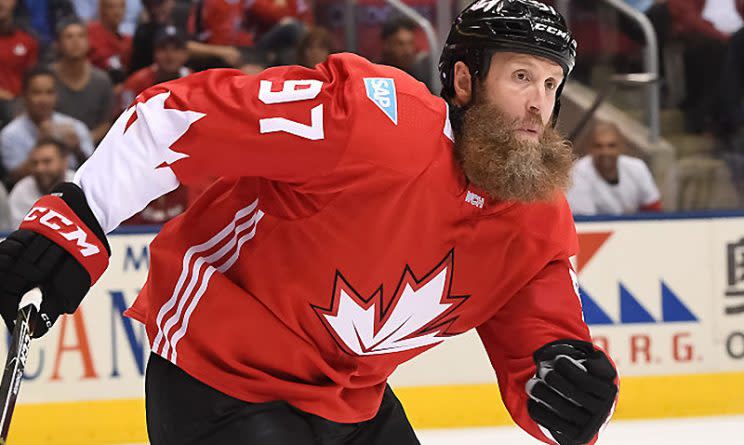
<point>293,91</point>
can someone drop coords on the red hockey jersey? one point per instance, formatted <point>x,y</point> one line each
<point>341,240</point>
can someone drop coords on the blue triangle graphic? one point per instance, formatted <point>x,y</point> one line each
<point>631,310</point>
<point>672,308</point>
<point>593,314</point>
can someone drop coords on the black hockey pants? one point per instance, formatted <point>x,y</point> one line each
<point>183,411</point>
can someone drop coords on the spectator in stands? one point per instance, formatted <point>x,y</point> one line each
<point>203,54</point>
<point>314,48</point>
<point>399,43</point>
<point>606,181</point>
<point>704,49</point>
<point>218,33</point>
<point>159,14</point>
<point>48,163</point>
<point>399,49</point>
<point>44,17</point>
<point>170,57</point>
<point>219,22</point>
<point>109,49</point>
<point>18,53</point>
<point>88,10</point>
<point>85,92</point>
<point>272,27</point>
<point>277,27</point>
<point>39,121</point>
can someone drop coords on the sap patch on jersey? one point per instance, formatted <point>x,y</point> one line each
<point>381,91</point>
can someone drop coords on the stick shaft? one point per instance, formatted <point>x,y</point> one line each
<point>14,365</point>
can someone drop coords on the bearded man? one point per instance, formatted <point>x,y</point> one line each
<point>357,222</point>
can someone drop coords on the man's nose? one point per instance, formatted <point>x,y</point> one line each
<point>536,99</point>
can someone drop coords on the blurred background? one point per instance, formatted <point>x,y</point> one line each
<point>655,111</point>
<point>659,81</point>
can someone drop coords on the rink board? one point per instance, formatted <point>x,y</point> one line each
<point>664,297</point>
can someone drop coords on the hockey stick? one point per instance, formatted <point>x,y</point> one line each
<point>17,355</point>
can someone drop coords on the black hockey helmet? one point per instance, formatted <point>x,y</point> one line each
<point>523,26</point>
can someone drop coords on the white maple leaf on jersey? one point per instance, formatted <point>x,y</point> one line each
<point>137,146</point>
<point>157,128</point>
<point>414,318</point>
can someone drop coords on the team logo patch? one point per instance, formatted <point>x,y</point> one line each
<point>381,91</point>
<point>419,313</point>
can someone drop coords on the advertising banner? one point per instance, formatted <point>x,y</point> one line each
<point>97,353</point>
<point>665,298</point>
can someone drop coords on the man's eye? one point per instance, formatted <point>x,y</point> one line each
<point>521,75</point>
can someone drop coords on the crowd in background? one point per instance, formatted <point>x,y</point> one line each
<point>68,68</point>
<point>706,85</point>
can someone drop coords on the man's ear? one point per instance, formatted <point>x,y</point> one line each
<point>463,84</point>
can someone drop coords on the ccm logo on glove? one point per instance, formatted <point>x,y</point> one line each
<point>52,219</point>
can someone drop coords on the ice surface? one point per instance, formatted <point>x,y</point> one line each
<point>689,431</point>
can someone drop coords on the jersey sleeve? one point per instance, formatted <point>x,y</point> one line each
<point>546,309</point>
<point>287,124</point>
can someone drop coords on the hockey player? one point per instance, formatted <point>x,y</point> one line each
<point>358,222</point>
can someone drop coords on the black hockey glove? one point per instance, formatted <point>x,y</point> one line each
<point>573,391</point>
<point>59,248</point>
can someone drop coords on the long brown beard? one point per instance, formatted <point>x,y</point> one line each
<point>508,168</point>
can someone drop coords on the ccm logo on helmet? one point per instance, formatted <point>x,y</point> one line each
<point>551,30</point>
<point>58,222</point>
